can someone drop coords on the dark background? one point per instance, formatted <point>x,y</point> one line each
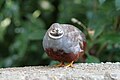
<point>23,24</point>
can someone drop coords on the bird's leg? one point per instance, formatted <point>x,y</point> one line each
<point>61,64</point>
<point>70,65</point>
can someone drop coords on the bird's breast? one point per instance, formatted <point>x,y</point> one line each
<point>60,55</point>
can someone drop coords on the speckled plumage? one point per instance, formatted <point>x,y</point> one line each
<point>72,42</point>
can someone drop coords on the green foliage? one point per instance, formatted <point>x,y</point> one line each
<point>23,24</point>
<point>92,59</point>
<point>117,4</point>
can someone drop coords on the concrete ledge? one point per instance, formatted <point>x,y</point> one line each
<point>82,71</point>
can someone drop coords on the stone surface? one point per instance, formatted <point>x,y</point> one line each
<point>82,71</point>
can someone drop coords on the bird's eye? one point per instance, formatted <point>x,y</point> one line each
<point>60,31</point>
<point>53,30</point>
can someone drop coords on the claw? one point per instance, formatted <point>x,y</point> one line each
<point>70,65</point>
<point>60,65</point>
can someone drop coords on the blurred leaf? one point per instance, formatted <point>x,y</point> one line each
<point>20,45</point>
<point>44,56</point>
<point>1,3</point>
<point>101,1</point>
<point>12,10</point>
<point>92,59</point>
<point>54,62</point>
<point>37,35</point>
<point>96,22</point>
<point>117,4</point>
<point>46,5</point>
<point>110,38</point>
<point>9,61</point>
<point>98,31</point>
<point>66,13</point>
<point>35,23</point>
<point>3,26</point>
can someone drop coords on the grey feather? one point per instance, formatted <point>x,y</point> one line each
<point>69,42</point>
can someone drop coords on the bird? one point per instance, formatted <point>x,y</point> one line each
<point>64,43</point>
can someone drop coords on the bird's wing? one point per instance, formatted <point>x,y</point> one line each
<point>75,35</point>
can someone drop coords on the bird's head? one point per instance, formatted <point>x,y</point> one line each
<point>55,31</point>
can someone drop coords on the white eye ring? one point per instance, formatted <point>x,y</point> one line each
<point>52,31</point>
<point>55,37</point>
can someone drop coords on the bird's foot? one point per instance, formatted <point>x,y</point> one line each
<point>61,64</point>
<point>70,65</point>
